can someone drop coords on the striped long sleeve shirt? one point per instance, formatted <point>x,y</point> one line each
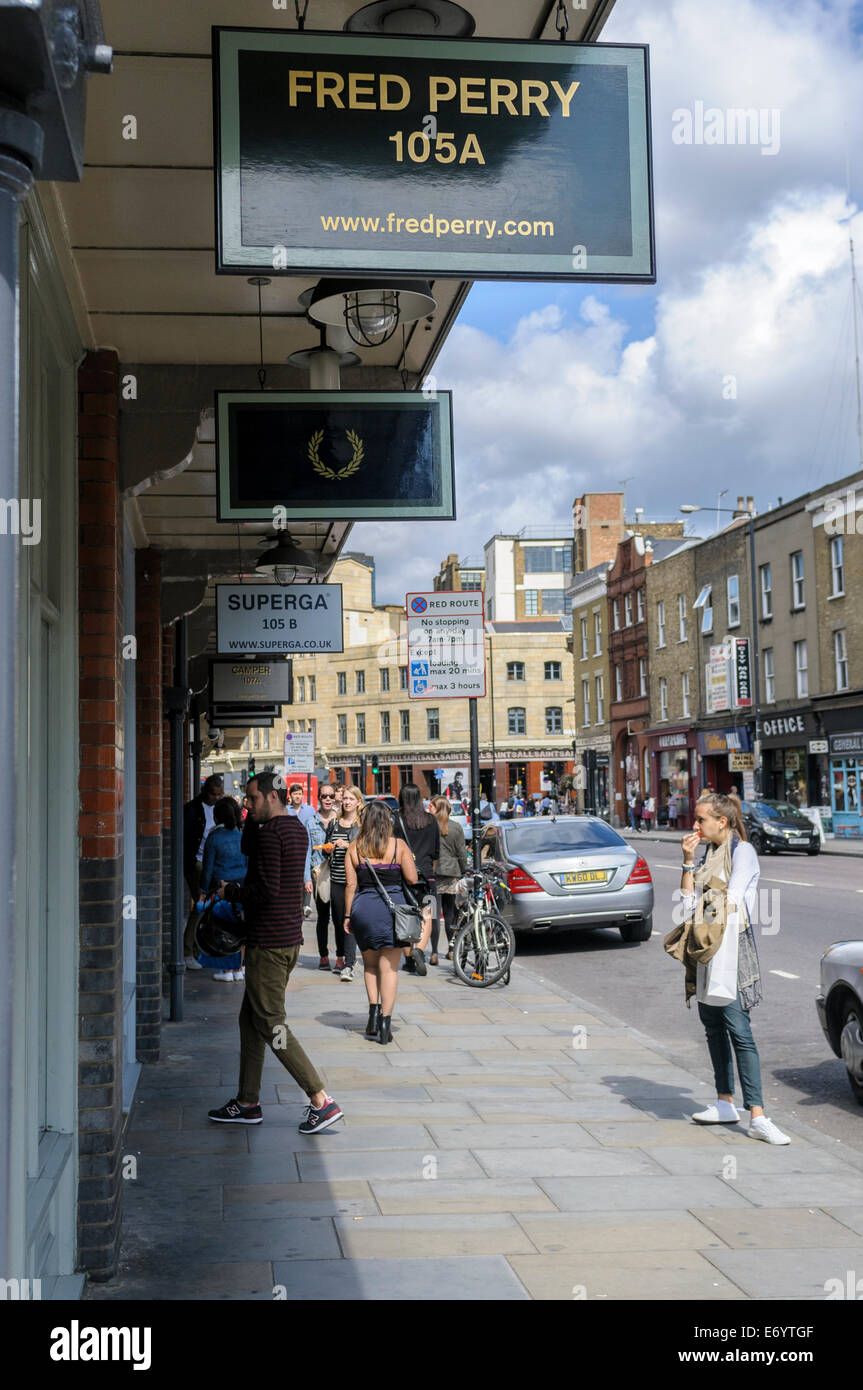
<point>273,892</point>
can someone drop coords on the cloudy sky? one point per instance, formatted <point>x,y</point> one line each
<point>735,371</point>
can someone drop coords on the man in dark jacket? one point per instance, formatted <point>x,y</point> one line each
<point>272,896</point>
<point>197,824</point>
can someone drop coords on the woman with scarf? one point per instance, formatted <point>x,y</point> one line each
<point>718,897</point>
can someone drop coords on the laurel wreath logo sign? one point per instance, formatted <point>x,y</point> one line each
<point>320,467</point>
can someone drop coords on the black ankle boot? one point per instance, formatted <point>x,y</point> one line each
<point>384,1030</point>
<point>374,1022</point>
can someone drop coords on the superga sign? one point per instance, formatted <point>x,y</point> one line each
<point>263,618</point>
<point>483,158</point>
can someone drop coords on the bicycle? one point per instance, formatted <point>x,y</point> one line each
<point>484,944</point>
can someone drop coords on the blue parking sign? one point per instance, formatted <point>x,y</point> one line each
<point>419,668</point>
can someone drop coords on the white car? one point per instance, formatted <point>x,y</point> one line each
<point>840,1007</point>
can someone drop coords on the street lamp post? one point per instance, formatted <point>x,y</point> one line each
<point>756,677</point>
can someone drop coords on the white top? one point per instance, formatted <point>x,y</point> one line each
<point>743,887</point>
<point>209,822</point>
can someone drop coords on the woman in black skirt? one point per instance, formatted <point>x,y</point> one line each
<point>422,834</point>
<point>367,914</point>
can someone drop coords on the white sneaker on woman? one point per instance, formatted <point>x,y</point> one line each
<point>224,975</point>
<point>240,974</point>
<point>721,1112</point>
<point>762,1128</point>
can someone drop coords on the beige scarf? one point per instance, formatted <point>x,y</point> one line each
<point>697,940</point>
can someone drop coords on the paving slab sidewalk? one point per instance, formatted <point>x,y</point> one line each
<point>513,1143</point>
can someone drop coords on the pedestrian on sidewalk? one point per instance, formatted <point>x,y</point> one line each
<point>647,811</point>
<point>224,861</point>
<point>368,917</point>
<point>340,832</point>
<point>718,898</point>
<point>451,865</point>
<point>634,809</point>
<point>297,807</point>
<point>197,823</point>
<point>672,811</point>
<point>420,831</point>
<point>272,900</point>
<point>321,875</point>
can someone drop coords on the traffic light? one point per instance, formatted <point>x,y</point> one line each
<point>251,767</point>
<point>376,764</point>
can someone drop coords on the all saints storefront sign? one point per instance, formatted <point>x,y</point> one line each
<point>480,158</point>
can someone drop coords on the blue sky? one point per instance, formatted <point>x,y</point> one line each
<point>736,369</point>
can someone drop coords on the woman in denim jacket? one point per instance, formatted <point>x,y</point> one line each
<point>224,862</point>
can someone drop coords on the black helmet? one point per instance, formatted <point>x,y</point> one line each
<point>215,936</point>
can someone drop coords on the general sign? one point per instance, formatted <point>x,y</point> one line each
<point>264,618</point>
<point>446,645</point>
<point>348,455</point>
<point>299,753</point>
<point>742,680</point>
<point>258,682</point>
<point>482,159</point>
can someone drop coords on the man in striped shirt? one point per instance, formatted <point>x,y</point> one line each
<point>272,897</point>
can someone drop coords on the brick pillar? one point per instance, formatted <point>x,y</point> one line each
<point>148,733</point>
<point>100,825</point>
<point>167,680</point>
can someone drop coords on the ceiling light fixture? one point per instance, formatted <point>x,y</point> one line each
<point>438,19</point>
<point>285,561</point>
<point>370,310</point>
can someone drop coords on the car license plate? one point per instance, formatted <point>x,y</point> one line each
<point>798,840</point>
<point>582,876</point>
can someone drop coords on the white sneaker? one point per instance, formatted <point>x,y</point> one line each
<point>722,1112</point>
<point>762,1128</point>
<point>240,974</point>
<point>347,974</point>
<point>192,964</point>
<point>224,975</point>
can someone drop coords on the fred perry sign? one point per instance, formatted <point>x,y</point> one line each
<point>263,618</point>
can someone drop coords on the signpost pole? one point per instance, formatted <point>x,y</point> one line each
<point>474,784</point>
<point>756,683</point>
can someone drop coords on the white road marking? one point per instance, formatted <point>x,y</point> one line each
<point>795,882</point>
<point>675,866</point>
<point>784,974</point>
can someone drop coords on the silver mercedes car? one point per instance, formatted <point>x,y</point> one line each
<point>570,871</point>
<point>840,1007</point>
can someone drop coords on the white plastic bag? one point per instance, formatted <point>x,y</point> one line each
<point>720,972</point>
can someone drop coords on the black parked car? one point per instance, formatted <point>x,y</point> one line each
<point>777,825</point>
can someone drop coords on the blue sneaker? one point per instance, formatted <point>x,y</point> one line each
<point>316,1120</point>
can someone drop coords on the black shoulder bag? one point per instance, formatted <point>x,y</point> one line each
<point>407,918</point>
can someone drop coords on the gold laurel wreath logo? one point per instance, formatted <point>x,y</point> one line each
<point>320,467</point>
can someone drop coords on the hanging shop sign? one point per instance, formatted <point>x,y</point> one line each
<point>237,709</point>
<point>255,682</point>
<point>742,676</point>
<point>246,721</point>
<point>446,645</point>
<point>343,455</point>
<point>299,753</point>
<point>264,618</point>
<point>481,159</point>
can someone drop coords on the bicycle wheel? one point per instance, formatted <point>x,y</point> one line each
<point>482,954</point>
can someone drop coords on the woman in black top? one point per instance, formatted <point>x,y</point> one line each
<point>422,834</point>
<point>340,832</point>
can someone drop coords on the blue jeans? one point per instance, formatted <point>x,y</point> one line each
<point>728,1026</point>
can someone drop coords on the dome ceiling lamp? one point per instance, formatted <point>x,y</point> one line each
<point>284,562</point>
<point>439,19</point>
<point>370,310</point>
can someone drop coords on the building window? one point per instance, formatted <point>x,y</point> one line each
<point>800,666</point>
<point>615,614</point>
<point>732,585</point>
<point>515,721</point>
<point>553,671</point>
<point>600,703</point>
<point>343,729</point>
<point>433,725</point>
<point>597,634</point>
<point>385,726</point>
<point>555,601</point>
<point>554,720</point>
<point>837,566</point>
<point>642,675</point>
<point>769,676</point>
<point>292,729</point>
<point>313,687</point>
<point>405,717</point>
<point>681,617</point>
<point>403,678</point>
<point>515,670</point>
<point>361,682</point>
<point>684,691</point>
<point>766,586</point>
<point>471,580</point>
<point>639,606</point>
<point>584,647</point>
<point>313,727</point>
<point>361,728</point>
<point>705,603</point>
<point>627,610</point>
<point>301,690</point>
<point>547,559</point>
<point>663,698</point>
<point>531,603</point>
<point>342,682</point>
<point>660,623</point>
<point>840,659</point>
<point>798,589</point>
<point>585,700</point>
<point>618,682</point>
<point>385,678</point>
